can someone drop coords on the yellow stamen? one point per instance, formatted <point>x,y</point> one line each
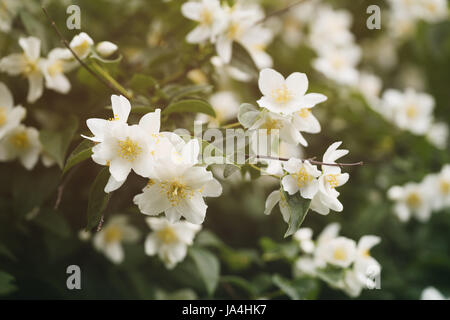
<point>116,117</point>
<point>302,177</point>
<point>366,253</point>
<point>167,235</point>
<point>340,254</point>
<point>332,180</point>
<point>20,140</point>
<point>304,113</point>
<point>176,191</point>
<point>128,149</point>
<point>2,115</point>
<point>81,48</point>
<point>56,68</point>
<point>113,234</point>
<point>445,186</point>
<point>271,124</point>
<point>206,17</point>
<point>234,31</point>
<point>411,111</point>
<point>282,95</point>
<point>413,200</point>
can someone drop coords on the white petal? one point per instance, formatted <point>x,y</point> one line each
<point>293,165</point>
<point>191,10</point>
<point>6,98</point>
<point>172,214</point>
<point>151,122</point>
<point>269,80</point>
<point>311,99</point>
<point>297,83</point>
<point>212,188</point>
<point>97,127</point>
<point>151,244</point>
<point>106,48</point>
<point>193,209</point>
<point>224,48</point>
<point>13,64</point>
<point>271,201</point>
<point>310,190</point>
<point>199,34</point>
<point>31,47</point>
<point>289,185</point>
<point>114,252</point>
<point>121,107</point>
<point>119,169</point>
<point>152,200</point>
<point>367,242</point>
<point>113,184</point>
<point>36,86</point>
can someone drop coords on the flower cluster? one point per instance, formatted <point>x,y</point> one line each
<point>339,261</point>
<point>222,25</point>
<point>176,183</point>
<point>421,199</point>
<point>16,140</point>
<point>52,69</point>
<point>318,186</point>
<point>404,14</point>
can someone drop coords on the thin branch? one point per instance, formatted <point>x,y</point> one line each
<point>280,12</point>
<point>82,63</point>
<point>312,161</point>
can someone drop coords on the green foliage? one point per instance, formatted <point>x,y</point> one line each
<point>98,199</point>
<point>298,208</point>
<point>190,105</point>
<point>81,153</point>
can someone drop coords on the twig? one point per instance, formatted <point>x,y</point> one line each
<point>61,187</point>
<point>83,64</point>
<point>312,161</point>
<point>100,224</point>
<point>279,12</point>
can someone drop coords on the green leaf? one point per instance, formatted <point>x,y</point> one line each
<point>208,267</point>
<point>331,275</point>
<point>184,91</point>
<point>230,169</point>
<point>248,114</point>
<point>298,208</point>
<point>6,283</point>
<point>297,289</point>
<point>242,60</point>
<point>142,83</point>
<point>54,222</point>
<point>190,105</point>
<point>98,199</point>
<point>4,251</point>
<point>241,284</point>
<point>182,294</point>
<point>56,143</point>
<point>82,152</point>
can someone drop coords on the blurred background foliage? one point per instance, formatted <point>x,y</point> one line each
<point>243,249</point>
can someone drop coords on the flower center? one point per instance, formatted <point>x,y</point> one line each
<point>206,17</point>
<point>340,254</point>
<point>445,187</point>
<point>302,177</point>
<point>332,180</point>
<point>82,48</point>
<point>20,140</point>
<point>176,191</point>
<point>366,253</point>
<point>259,47</point>
<point>128,149</point>
<point>56,68</point>
<point>167,235</point>
<point>411,111</point>
<point>413,200</point>
<point>282,95</point>
<point>2,115</point>
<point>30,67</point>
<point>271,124</point>
<point>234,31</point>
<point>338,62</point>
<point>113,234</point>
<point>304,113</point>
<point>116,117</point>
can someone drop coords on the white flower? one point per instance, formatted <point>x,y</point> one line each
<point>410,110</point>
<point>370,86</point>
<point>109,239</point>
<point>277,197</point>
<point>304,237</point>
<point>239,20</point>
<point>438,135</point>
<point>432,10</point>
<point>411,199</point>
<point>81,44</point>
<point>339,64</point>
<point>226,107</point>
<point>54,68</point>
<point>366,267</point>
<point>27,64</point>
<point>304,265</point>
<point>331,28</point>
<point>431,293</point>
<point>8,11</point>
<point>340,252</point>
<point>106,48</point>
<point>22,143</point>
<point>329,233</point>
<point>331,178</point>
<point>305,121</point>
<point>285,150</point>
<point>438,185</point>
<point>285,96</point>
<point>10,116</point>
<point>170,240</point>
<point>302,177</point>
<point>122,147</point>
<point>178,187</point>
<point>210,16</point>
<point>255,41</point>
<point>275,124</point>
